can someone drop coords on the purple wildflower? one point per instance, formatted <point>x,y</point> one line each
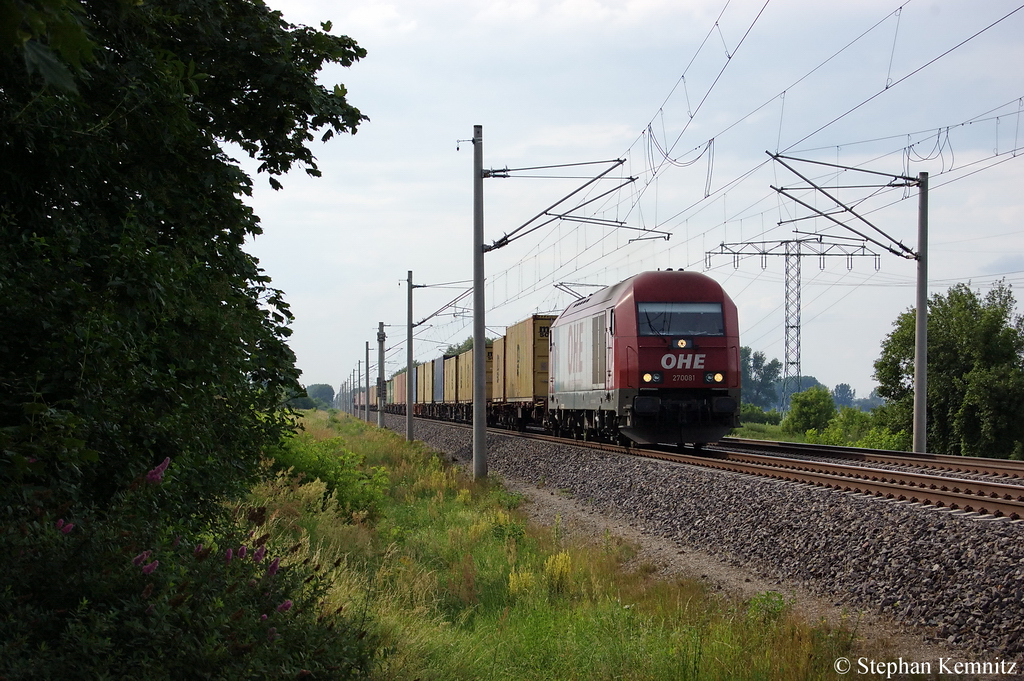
<point>241,552</point>
<point>60,523</point>
<point>274,565</point>
<point>285,607</point>
<point>157,474</point>
<point>198,550</point>
<point>67,528</point>
<point>228,555</point>
<point>258,556</point>
<point>147,569</point>
<point>263,617</point>
<point>141,558</point>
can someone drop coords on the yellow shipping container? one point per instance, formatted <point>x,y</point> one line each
<point>526,359</point>
<point>425,383</point>
<point>498,370</point>
<point>465,377</point>
<point>451,380</point>
<point>396,389</point>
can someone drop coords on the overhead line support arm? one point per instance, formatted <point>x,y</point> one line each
<point>842,224</point>
<point>508,238</point>
<point>793,170</point>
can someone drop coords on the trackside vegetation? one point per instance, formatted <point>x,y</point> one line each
<point>452,582</point>
<point>143,354</point>
<point>975,385</point>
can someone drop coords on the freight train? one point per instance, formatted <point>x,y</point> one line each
<point>652,359</point>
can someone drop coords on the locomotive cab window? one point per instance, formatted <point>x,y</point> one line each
<point>680,319</point>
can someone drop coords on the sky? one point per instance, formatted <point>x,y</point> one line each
<point>691,96</point>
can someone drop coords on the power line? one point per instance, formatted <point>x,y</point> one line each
<point>909,75</point>
<point>609,249</point>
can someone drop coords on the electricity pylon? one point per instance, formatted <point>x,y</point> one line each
<point>793,250</point>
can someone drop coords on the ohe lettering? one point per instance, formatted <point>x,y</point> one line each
<point>690,361</point>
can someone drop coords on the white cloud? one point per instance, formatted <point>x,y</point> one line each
<point>579,80</point>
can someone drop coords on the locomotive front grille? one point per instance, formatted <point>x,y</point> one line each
<point>686,408</point>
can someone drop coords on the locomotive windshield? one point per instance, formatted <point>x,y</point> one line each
<point>680,319</point>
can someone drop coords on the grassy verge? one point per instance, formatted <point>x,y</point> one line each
<point>458,585</point>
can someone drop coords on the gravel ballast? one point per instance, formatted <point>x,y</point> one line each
<point>960,577</point>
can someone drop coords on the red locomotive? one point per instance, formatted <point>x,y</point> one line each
<point>652,359</point>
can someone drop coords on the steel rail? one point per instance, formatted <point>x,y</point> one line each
<point>893,488</point>
<point>973,496</point>
<point>944,462</point>
<point>978,496</point>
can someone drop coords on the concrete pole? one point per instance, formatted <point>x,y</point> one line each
<point>479,344</point>
<point>409,397</point>
<point>366,402</point>
<point>921,328</point>
<point>381,384</point>
<point>359,382</point>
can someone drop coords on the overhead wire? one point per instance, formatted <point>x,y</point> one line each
<point>909,75</point>
<point>658,156</point>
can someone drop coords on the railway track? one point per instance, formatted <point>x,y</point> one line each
<point>931,479</point>
<point>1000,469</point>
<point>935,481</point>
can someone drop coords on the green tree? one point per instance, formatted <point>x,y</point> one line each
<point>853,427</point>
<point>459,348</point>
<point>134,325</point>
<point>415,364</point>
<point>321,394</point>
<point>847,427</point>
<point>137,337</point>
<point>50,34</point>
<point>844,395</point>
<point>870,402</point>
<point>302,402</point>
<point>813,408</point>
<point>759,377</point>
<point>975,373</point>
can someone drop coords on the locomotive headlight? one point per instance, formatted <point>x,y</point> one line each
<point>714,377</point>
<point>683,344</point>
<point>652,377</point>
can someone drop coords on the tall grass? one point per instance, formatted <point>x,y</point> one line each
<point>459,585</point>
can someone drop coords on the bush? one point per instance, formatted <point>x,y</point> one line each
<point>880,437</point>
<point>751,413</point>
<point>848,426</point>
<point>339,468</point>
<point>813,408</point>
<point>127,597</point>
<point>854,428</point>
<point>136,329</point>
